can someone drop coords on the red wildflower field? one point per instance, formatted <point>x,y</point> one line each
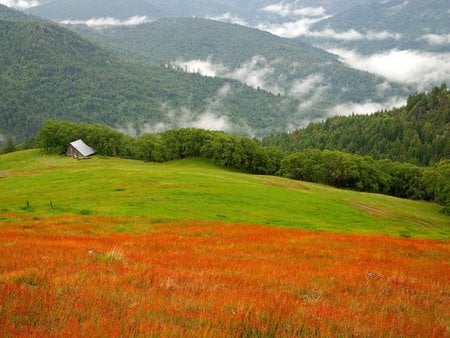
<point>76,276</point>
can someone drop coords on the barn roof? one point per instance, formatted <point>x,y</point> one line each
<point>83,148</point>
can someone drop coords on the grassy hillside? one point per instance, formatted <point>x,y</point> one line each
<point>138,249</point>
<point>50,72</point>
<point>197,190</point>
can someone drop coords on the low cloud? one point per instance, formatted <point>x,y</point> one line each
<point>256,72</point>
<point>108,22</point>
<point>292,29</point>
<point>20,4</point>
<point>229,18</point>
<point>411,67</point>
<point>304,87</point>
<point>354,35</point>
<point>309,90</point>
<point>437,39</point>
<point>212,117</point>
<point>307,17</point>
<point>287,9</point>
<point>203,67</point>
<point>366,107</point>
<point>181,118</point>
<point>302,27</point>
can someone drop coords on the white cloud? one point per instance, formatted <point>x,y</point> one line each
<point>399,7</point>
<point>256,72</point>
<point>108,22</point>
<point>230,18</point>
<point>211,118</point>
<point>367,107</point>
<point>411,67</point>
<point>209,121</point>
<point>202,67</point>
<point>437,39</point>
<point>185,118</point>
<point>310,90</point>
<point>20,4</point>
<point>286,9</point>
<point>304,87</point>
<point>302,27</point>
<point>292,29</point>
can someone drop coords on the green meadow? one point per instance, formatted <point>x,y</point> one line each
<point>196,189</point>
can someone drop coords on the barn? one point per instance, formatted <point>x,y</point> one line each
<point>79,149</point>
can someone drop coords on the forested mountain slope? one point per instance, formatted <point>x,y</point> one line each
<point>417,133</point>
<point>319,79</point>
<point>87,9</point>
<point>420,24</point>
<point>50,72</point>
<point>252,11</point>
<point>9,14</point>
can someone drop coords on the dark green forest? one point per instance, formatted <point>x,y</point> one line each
<point>49,72</point>
<point>286,61</point>
<point>335,168</point>
<point>418,133</point>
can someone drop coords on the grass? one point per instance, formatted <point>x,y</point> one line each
<point>196,189</point>
<point>60,276</point>
<point>109,247</point>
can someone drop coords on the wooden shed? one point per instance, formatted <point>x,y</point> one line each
<point>79,149</point>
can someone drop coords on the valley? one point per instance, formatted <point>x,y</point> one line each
<point>255,168</point>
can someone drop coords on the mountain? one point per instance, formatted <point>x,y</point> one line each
<point>253,11</point>
<point>412,24</point>
<point>418,132</point>
<point>10,14</point>
<point>121,9</point>
<point>318,79</point>
<point>50,72</point>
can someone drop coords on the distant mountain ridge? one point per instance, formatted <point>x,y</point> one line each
<point>416,21</point>
<point>318,79</point>
<point>49,72</point>
<point>251,11</point>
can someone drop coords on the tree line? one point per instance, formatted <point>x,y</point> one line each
<point>418,133</point>
<point>330,167</point>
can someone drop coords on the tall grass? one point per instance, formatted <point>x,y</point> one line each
<point>74,276</point>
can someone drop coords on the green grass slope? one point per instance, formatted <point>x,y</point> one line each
<point>195,189</point>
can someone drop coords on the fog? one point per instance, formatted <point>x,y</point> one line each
<point>411,67</point>
<point>367,107</point>
<point>229,18</point>
<point>108,22</point>
<point>20,4</point>
<point>287,9</point>
<point>437,39</point>
<point>212,117</point>
<point>256,72</point>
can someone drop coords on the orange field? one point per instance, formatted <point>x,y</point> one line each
<point>79,276</point>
